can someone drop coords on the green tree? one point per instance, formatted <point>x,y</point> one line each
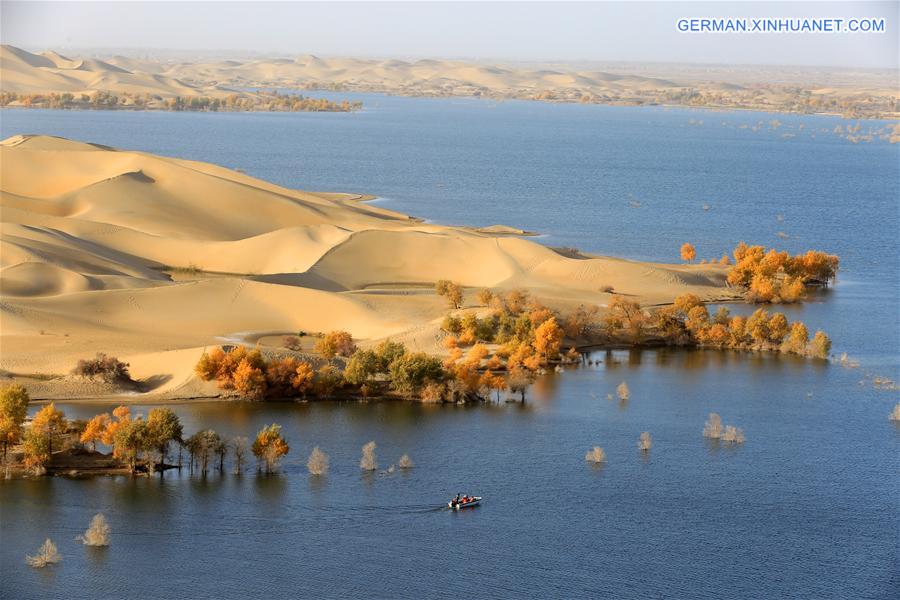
<point>413,370</point>
<point>362,367</point>
<point>388,351</point>
<point>163,426</point>
<point>130,441</point>
<point>328,379</point>
<point>35,450</point>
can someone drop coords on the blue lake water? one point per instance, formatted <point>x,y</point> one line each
<point>807,507</point>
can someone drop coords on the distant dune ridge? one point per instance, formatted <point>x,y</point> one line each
<point>153,259</point>
<point>25,73</point>
<point>863,95</point>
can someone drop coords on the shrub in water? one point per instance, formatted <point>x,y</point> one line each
<point>595,455</point>
<point>97,534</point>
<point>368,462</point>
<point>645,442</point>
<point>318,462</point>
<point>47,554</point>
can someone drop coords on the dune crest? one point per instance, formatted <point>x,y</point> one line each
<point>153,258</point>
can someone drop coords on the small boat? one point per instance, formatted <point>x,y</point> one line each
<point>466,502</point>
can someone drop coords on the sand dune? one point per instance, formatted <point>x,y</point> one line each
<point>27,73</point>
<point>153,259</point>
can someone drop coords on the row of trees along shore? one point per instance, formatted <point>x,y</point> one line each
<point>105,100</point>
<point>502,350</point>
<point>138,444</point>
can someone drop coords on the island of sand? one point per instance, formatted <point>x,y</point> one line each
<point>155,260</point>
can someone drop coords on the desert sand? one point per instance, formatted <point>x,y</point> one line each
<point>852,93</point>
<point>154,259</point>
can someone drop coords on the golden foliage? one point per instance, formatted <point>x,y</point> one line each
<point>94,430</point>
<point>303,378</point>
<point>280,375</point>
<point>249,381</point>
<point>772,276</point>
<point>14,401</point>
<point>336,343</point>
<point>477,353</point>
<point>270,446</point>
<point>548,339</point>
<point>820,346</point>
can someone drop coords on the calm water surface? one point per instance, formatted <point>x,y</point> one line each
<point>807,507</point>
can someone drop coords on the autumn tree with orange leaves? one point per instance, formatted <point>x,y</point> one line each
<point>270,446</point>
<point>688,252</point>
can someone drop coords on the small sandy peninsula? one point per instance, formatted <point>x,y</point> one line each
<point>155,259</point>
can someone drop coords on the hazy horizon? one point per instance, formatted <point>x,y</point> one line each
<point>614,32</point>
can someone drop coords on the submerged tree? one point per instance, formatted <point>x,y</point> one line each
<point>405,462</point>
<point>733,434</point>
<point>202,446</point>
<point>895,414</point>
<point>645,442</point>
<point>367,462</point>
<point>318,462</point>
<point>623,392</point>
<point>130,439</point>
<point>97,534</point>
<point>269,446</point>
<point>47,554</point>
<point>595,455</point>
<point>239,446</point>
<point>518,382</point>
<point>163,427</point>
<point>713,429</point>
